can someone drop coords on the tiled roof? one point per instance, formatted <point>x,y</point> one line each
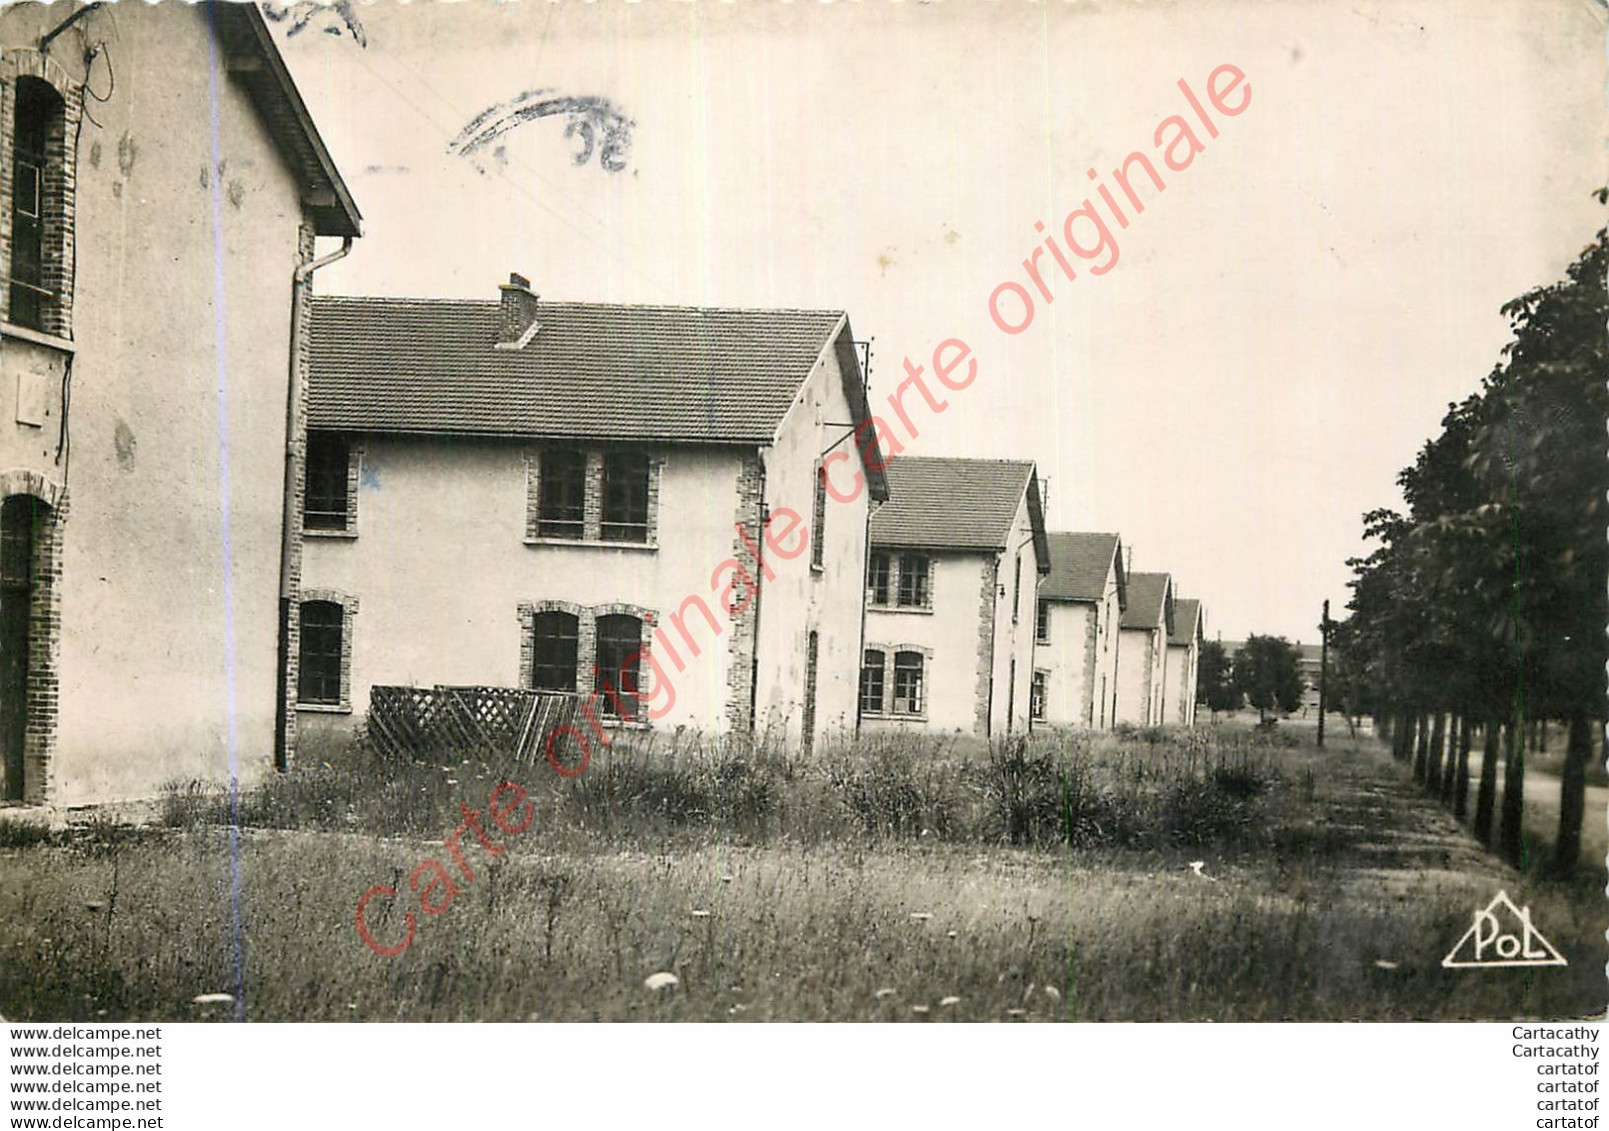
<point>1079,564</point>
<point>1186,621</point>
<point>592,370</point>
<point>1148,593</point>
<point>955,504</point>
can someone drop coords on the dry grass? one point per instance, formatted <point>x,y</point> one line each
<point>866,884</point>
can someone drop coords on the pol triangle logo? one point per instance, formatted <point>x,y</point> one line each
<point>1502,935</point>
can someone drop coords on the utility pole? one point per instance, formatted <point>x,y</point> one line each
<point>1323,666</point>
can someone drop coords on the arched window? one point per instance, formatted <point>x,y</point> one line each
<point>36,204</point>
<point>619,664</point>
<point>318,678</point>
<point>908,683</point>
<point>557,636</point>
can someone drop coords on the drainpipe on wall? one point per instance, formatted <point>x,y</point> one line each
<point>290,535</point>
<point>994,627</point>
<point>865,572</point>
<point>759,589</point>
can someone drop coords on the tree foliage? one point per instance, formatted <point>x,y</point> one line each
<point>1215,687</point>
<point>1488,597</point>
<point>1268,672</point>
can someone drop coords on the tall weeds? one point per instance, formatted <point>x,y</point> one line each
<point>1150,788</point>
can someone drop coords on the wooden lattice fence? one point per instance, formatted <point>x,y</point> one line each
<point>449,724</point>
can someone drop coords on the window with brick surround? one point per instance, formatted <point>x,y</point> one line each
<point>871,682</point>
<point>877,579</point>
<point>625,497</point>
<point>328,500</point>
<point>563,502</point>
<point>818,520</point>
<point>557,638</point>
<point>319,671</point>
<point>1042,623</point>
<point>907,683</point>
<point>617,678</point>
<point>36,205</point>
<point>913,589</point>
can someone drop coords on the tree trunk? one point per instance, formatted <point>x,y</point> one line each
<point>1461,784</point>
<point>1486,797</point>
<point>1449,765</point>
<point>1405,756</point>
<point>1542,737</point>
<point>1421,749</point>
<point>1433,757</point>
<point>1511,842</point>
<point>1399,734</point>
<point>1572,794</point>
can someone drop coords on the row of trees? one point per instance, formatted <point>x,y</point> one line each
<point>1266,673</point>
<point>1484,606</point>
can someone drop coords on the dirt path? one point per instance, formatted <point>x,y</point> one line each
<point>1388,829</point>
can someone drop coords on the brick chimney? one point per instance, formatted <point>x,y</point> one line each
<point>518,320</point>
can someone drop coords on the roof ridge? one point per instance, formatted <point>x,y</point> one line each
<point>552,302</point>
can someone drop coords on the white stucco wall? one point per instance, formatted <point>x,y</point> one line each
<point>1062,656</point>
<point>949,630</point>
<point>1182,663</point>
<point>801,599</point>
<point>1083,683</point>
<point>440,566</point>
<point>169,600</point>
<point>1137,672</point>
<point>1015,608</point>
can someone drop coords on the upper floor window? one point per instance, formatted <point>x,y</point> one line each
<point>913,590</point>
<point>36,205</point>
<point>619,664</point>
<point>318,678</point>
<point>1042,623</point>
<point>907,683</point>
<point>563,504</point>
<point>625,497</point>
<point>556,638</point>
<point>328,501</point>
<point>877,578</point>
<point>871,682</point>
<point>818,519</point>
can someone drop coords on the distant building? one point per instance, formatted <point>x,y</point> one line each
<point>1143,641</point>
<point>1076,630</point>
<point>1311,663</point>
<point>1184,657</point>
<point>1308,662</point>
<point>957,554</point>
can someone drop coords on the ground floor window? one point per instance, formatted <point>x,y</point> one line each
<point>908,678</point>
<point>617,678</point>
<point>318,678</point>
<point>1036,697</point>
<point>557,643</point>
<point>871,683</point>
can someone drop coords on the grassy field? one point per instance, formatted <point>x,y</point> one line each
<point>1214,875</point>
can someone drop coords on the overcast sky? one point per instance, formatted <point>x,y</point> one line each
<point>1284,327</point>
